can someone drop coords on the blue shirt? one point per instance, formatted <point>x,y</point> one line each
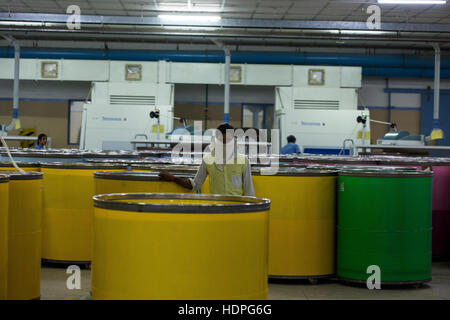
<point>38,146</point>
<point>290,148</point>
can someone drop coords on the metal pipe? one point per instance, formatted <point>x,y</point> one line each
<point>226,107</point>
<point>206,106</point>
<point>15,115</point>
<point>399,61</point>
<point>437,77</point>
<point>357,26</point>
<point>226,103</point>
<point>282,37</point>
<point>382,122</point>
<point>351,150</point>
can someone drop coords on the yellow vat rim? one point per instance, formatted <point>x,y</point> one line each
<point>134,175</point>
<point>82,165</point>
<point>228,204</point>
<point>16,175</point>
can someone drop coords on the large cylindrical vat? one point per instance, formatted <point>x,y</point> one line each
<point>302,221</point>
<point>384,220</point>
<point>180,246</point>
<point>24,235</point>
<point>188,171</point>
<point>134,182</point>
<point>26,166</point>
<point>68,210</point>
<point>441,199</point>
<point>4,200</point>
<point>120,156</point>
<point>441,211</point>
<point>44,156</point>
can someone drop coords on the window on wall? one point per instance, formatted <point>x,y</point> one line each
<point>257,116</point>
<point>75,118</point>
<point>253,117</point>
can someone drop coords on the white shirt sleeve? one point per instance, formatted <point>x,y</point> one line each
<point>199,178</point>
<point>248,183</point>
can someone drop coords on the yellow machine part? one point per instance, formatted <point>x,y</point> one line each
<point>4,200</point>
<point>142,255</point>
<point>302,222</point>
<point>28,132</point>
<point>105,186</point>
<point>24,239</point>
<point>68,214</point>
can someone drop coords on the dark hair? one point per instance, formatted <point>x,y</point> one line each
<point>41,136</point>
<point>224,127</point>
<point>291,138</point>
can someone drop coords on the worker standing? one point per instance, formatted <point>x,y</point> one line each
<point>291,146</point>
<point>229,172</point>
<point>41,141</point>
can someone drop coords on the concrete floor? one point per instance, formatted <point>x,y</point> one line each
<point>53,287</point>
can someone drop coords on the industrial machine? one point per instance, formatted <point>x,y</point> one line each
<point>317,104</point>
<point>401,138</point>
<point>121,112</point>
<point>322,118</point>
<point>396,137</point>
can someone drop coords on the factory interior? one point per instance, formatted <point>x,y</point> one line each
<point>225,150</point>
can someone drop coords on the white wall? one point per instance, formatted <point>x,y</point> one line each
<point>238,94</point>
<point>68,90</point>
<point>372,91</point>
<point>371,94</point>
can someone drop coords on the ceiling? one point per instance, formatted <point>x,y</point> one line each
<point>334,10</point>
<point>279,10</point>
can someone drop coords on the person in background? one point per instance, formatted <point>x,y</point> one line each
<point>41,142</point>
<point>229,172</point>
<point>291,146</point>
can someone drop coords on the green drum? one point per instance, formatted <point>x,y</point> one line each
<point>384,219</point>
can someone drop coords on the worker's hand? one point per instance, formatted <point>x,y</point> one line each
<point>165,175</point>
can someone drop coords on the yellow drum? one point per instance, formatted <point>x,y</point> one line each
<point>4,200</point>
<point>302,222</point>
<point>24,235</point>
<point>135,181</point>
<point>180,246</point>
<point>25,166</point>
<point>68,210</point>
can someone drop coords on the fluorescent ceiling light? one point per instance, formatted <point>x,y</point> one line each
<point>188,18</point>
<point>413,1</point>
<point>181,28</point>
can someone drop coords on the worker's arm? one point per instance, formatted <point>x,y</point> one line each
<point>297,149</point>
<point>187,183</point>
<point>248,183</point>
<point>167,176</point>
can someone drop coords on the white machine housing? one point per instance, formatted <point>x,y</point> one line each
<point>322,117</point>
<point>119,112</point>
